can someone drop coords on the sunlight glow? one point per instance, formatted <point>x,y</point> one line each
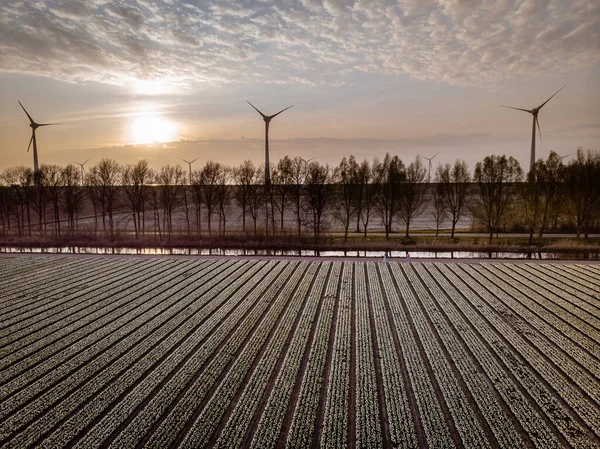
<point>151,87</point>
<point>152,128</point>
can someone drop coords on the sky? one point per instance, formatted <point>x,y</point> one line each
<point>167,79</point>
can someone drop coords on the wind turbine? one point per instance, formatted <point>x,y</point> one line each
<point>190,166</point>
<point>429,159</point>
<point>82,169</point>
<point>34,126</point>
<point>267,119</point>
<point>562,157</point>
<point>534,112</point>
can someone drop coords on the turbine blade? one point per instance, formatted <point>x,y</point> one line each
<point>518,109</point>
<point>30,140</point>
<point>435,155</point>
<point>551,97</point>
<point>86,161</point>
<point>48,124</point>
<point>29,116</point>
<point>275,115</point>
<point>195,160</point>
<point>256,108</point>
<point>539,129</point>
<point>185,161</point>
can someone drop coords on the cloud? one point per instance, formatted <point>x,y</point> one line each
<point>312,42</point>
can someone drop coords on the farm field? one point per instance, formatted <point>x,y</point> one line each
<point>134,352</point>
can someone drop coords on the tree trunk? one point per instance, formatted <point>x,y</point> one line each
<point>28,220</point>
<point>135,225</point>
<point>244,217</point>
<point>57,215</point>
<point>530,242</point>
<point>209,224</point>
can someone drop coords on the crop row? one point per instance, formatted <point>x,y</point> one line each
<point>192,353</point>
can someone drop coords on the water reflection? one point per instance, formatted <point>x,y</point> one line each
<point>301,253</point>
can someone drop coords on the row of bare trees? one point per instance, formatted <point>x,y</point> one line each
<point>304,196</point>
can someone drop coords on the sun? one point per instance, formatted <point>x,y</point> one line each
<point>152,128</point>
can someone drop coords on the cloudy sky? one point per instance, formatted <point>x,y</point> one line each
<point>164,79</point>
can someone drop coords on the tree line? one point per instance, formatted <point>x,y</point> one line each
<point>352,195</point>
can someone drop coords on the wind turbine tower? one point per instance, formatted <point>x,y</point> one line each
<point>534,112</point>
<point>267,119</point>
<point>429,159</point>
<point>190,167</point>
<point>34,126</point>
<point>82,170</point>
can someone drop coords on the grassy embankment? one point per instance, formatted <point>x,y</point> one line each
<point>332,242</point>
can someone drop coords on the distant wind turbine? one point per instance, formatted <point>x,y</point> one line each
<point>563,157</point>
<point>34,126</point>
<point>82,169</point>
<point>190,167</point>
<point>534,112</point>
<point>429,159</point>
<point>267,119</point>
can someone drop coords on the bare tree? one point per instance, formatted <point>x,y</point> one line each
<point>196,197</point>
<point>551,177</point>
<point>208,183</point>
<point>243,177</point>
<point>344,177</point>
<point>582,187</point>
<point>51,181</point>
<point>361,175</point>
<point>319,194</point>
<point>20,180</point>
<point>136,180</point>
<point>256,196</point>
<point>103,180</point>
<point>370,193</point>
<point>454,182</point>
<point>5,200</point>
<point>413,199</point>
<point>72,194</point>
<point>171,179</point>
<point>438,203</point>
<point>495,177</point>
<point>223,196</point>
<point>540,192</point>
<point>39,195</point>
<point>282,184</point>
<point>390,175</point>
<point>297,177</point>
<point>155,201</point>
